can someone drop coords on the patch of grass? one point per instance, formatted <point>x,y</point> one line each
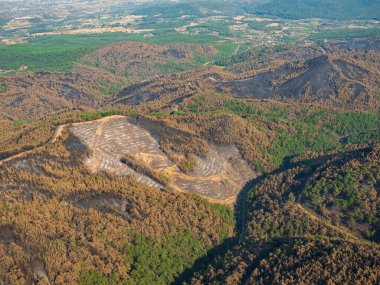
<point>20,123</point>
<point>96,278</point>
<point>110,90</point>
<point>197,103</point>
<point>226,48</point>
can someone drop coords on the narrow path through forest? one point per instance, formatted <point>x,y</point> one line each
<point>326,223</point>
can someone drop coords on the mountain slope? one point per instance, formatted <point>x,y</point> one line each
<point>344,76</point>
<point>63,224</point>
<point>283,238</point>
<point>160,155</point>
<point>339,78</point>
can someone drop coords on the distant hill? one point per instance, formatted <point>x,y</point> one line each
<point>342,75</point>
<point>330,9</point>
<point>327,80</point>
<point>139,61</point>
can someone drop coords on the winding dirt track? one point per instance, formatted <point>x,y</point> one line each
<point>326,223</point>
<point>57,134</point>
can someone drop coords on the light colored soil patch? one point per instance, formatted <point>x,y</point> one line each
<point>17,23</point>
<point>239,18</point>
<point>241,27</point>
<point>219,190</point>
<point>219,177</point>
<point>128,19</point>
<point>272,25</point>
<point>257,19</point>
<point>352,26</point>
<point>111,140</point>
<point>184,28</point>
<point>13,41</point>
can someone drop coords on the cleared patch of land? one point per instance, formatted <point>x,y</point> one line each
<point>220,175</point>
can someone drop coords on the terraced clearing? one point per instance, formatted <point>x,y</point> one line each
<point>110,140</point>
<point>218,176</point>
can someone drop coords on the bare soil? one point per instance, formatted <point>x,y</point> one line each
<point>220,175</point>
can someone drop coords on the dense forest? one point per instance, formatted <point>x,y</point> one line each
<point>287,237</point>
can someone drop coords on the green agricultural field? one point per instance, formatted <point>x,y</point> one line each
<point>54,53</point>
<point>59,53</point>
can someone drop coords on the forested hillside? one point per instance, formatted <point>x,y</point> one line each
<point>62,223</point>
<point>288,237</point>
<point>139,61</point>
